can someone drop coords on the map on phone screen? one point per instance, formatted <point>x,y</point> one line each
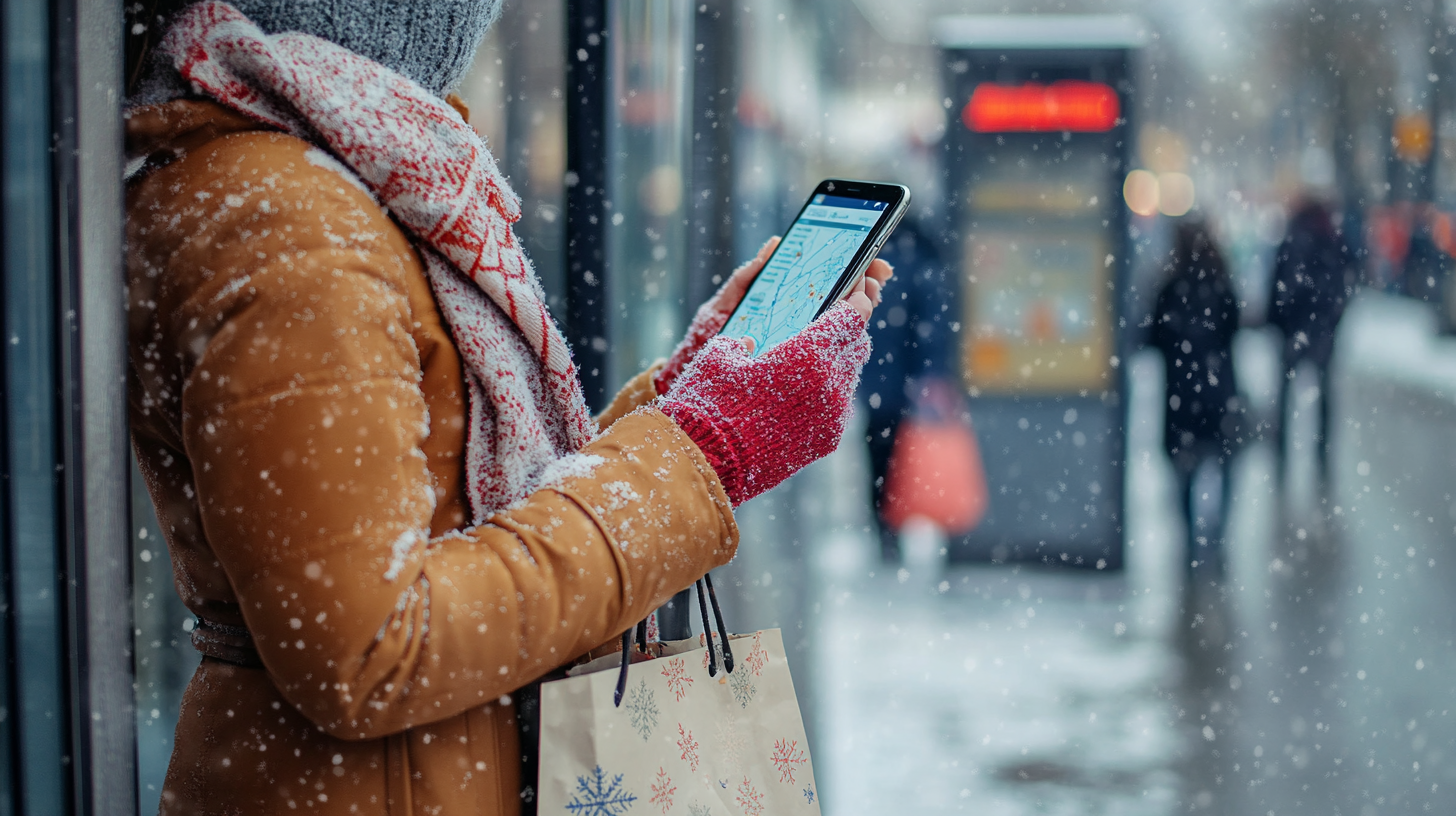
<point>802,273</point>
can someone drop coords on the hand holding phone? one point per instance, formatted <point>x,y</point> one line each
<point>821,259</point>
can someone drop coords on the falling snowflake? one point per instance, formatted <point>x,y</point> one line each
<point>699,810</point>
<point>749,798</point>
<point>757,658</point>
<point>595,796</point>
<point>809,794</point>
<point>643,708</point>
<point>787,757</point>
<point>662,791</point>
<point>689,747</point>
<point>743,689</point>
<point>677,677</point>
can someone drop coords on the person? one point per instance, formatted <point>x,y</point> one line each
<point>1428,270</point>
<point>913,345</point>
<point>1195,319</point>
<point>1309,289</point>
<point>385,500</point>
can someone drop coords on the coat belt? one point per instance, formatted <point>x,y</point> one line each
<point>230,644</point>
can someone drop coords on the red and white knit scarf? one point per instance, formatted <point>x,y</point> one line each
<point>435,176</point>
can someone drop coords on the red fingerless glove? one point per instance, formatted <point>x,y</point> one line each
<point>759,421</point>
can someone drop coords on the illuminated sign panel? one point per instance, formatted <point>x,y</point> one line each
<point>1066,105</point>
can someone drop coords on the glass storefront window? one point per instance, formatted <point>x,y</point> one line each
<point>516,100</point>
<point>650,82</point>
<point>164,657</point>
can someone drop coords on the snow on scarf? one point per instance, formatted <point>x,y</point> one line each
<point>435,176</point>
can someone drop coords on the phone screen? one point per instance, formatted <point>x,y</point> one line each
<point>801,275</point>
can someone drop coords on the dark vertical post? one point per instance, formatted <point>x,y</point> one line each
<point>586,194</point>
<point>710,190</point>
<point>92,365</point>
<point>709,197</point>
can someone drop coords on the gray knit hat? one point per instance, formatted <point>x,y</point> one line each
<point>429,41</point>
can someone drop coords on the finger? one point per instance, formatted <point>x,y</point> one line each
<point>732,291</point>
<point>881,271</point>
<point>749,345</point>
<point>872,290</point>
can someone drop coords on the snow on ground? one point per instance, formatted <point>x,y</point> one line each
<point>1318,680</point>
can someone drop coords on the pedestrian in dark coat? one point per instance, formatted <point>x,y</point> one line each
<point>1311,285</point>
<point>1195,321</point>
<point>913,341</point>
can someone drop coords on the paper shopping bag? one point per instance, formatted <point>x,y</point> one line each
<point>682,742</point>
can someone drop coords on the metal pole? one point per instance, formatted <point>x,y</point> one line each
<point>710,198</point>
<point>92,368</point>
<point>710,190</point>
<point>586,194</point>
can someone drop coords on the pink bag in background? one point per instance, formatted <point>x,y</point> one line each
<point>935,468</point>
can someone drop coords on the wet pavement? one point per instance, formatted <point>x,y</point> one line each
<point>1316,679</point>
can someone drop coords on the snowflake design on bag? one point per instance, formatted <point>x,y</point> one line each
<point>787,757</point>
<point>749,798</point>
<point>809,794</point>
<point>699,810</point>
<point>730,742</point>
<point>596,796</point>
<point>676,672</point>
<point>643,709</point>
<point>662,791</point>
<point>743,689</point>
<point>689,747</point>
<point>757,658</point>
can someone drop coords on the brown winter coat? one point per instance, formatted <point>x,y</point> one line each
<point>295,398</point>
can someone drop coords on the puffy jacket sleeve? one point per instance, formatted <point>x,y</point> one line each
<point>303,418</point>
<point>638,392</point>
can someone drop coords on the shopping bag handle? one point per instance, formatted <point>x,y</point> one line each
<point>703,610</point>
<point>641,631</point>
<point>704,598</point>
<point>722,630</point>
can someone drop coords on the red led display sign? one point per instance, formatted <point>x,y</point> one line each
<point>1065,105</point>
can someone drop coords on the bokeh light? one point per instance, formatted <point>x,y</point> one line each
<point>1140,191</point>
<point>1175,194</point>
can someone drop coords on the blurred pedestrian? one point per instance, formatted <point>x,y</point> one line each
<point>1427,273</point>
<point>1311,285</point>
<point>913,344</point>
<point>1194,324</point>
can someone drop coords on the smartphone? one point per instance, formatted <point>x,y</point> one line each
<point>821,257</point>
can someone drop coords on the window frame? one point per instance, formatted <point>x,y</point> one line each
<point>75,556</point>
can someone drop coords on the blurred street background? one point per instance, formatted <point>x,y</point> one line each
<point>1248,613</point>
